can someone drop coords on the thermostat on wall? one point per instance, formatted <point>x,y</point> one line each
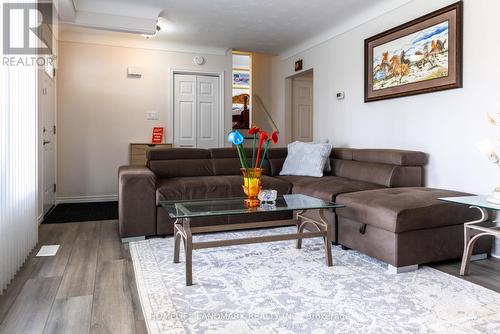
<point>340,95</point>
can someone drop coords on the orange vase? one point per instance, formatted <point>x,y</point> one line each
<point>252,185</point>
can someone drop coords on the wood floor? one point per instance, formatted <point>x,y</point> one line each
<point>484,272</point>
<point>89,286</point>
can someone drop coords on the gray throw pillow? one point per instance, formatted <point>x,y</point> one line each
<point>306,159</point>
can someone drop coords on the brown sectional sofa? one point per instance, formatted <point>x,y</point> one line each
<point>388,214</point>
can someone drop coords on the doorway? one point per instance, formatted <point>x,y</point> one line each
<point>197,118</point>
<point>302,119</point>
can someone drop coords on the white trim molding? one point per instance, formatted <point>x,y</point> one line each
<point>87,199</point>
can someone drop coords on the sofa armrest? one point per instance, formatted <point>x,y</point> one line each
<point>136,201</point>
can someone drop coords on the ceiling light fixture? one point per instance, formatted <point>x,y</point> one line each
<point>149,36</point>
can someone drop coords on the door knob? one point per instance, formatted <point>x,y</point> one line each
<point>45,142</point>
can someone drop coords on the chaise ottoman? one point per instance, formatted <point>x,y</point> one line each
<point>405,227</point>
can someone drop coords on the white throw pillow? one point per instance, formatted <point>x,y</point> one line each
<point>328,167</point>
<point>306,159</point>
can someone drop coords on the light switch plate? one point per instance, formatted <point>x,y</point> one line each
<point>152,115</point>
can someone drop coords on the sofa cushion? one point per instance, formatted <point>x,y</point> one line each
<point>392,157</point>
<point>225,161</point>
<point>180,162</point>
<point>201,187</point>
<point>382,174</point>
<point>404,209</point>
<point>327,187</point>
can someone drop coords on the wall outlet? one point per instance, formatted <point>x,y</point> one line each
<point>152,115</point>
<point>340,95</point>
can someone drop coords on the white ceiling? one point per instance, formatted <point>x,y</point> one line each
<point>269,26</point>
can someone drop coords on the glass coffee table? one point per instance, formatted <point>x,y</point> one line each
<point>184,211</point>
<point>475,229</point>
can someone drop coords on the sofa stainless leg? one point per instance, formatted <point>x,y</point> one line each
<point>131,239</point>
<point>400,270</point>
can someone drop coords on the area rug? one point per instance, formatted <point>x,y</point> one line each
<point>275,288</point>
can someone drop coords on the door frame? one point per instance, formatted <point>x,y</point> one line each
<point>289,102</point>
<point>41,75</point>
<point>218,74</point>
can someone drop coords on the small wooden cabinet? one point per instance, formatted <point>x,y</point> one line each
<point>139,152</point>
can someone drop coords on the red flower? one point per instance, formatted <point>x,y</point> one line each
<point>263,137</point>
<point>253,130</point>
<point>274,137</point>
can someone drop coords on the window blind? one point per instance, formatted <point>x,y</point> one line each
<point>18,159</point>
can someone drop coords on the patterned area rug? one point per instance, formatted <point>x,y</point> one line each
<point>275,288</point>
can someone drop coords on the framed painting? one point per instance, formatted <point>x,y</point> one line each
<point>421,56</point>
<point>241,78</point>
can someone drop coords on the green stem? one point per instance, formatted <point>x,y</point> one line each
<point>241,153</point>
<point>265,152</point>
<point>244,155</point>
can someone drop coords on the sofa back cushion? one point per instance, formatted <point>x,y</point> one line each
<point>383,174</point>
<point>225,161</point>
<point>392,157</point>
<point>180,162</point>
<point>389,168</point>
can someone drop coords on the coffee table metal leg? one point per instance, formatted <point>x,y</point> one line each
<point>188,248</point>
<point>321,225</point>
<point>177,241</point>
<point>327,239</point>
<point>470,242</point>
<point>300,228</point>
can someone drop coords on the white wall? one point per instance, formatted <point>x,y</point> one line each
<point>101,111</point>
<point>262,77</point>
<point>446,125</point>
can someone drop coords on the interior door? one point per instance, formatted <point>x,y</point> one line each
<point>302,110</point>
<point>184,110</point>
<point>207,119</point>
<point>47,104</point>
<point>196,111</point>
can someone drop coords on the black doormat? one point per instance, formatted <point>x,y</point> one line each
<point>80,212</point>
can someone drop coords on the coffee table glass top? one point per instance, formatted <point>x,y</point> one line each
<point>479,201</point>
<point>235,206</point>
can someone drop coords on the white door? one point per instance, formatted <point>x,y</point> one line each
<point>302,110</point>
<point>47,105</point>
<point>185,111</point>
<point>207,115</point>
<point>196,111</point>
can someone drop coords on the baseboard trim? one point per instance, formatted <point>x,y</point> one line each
<point>496,256</point>
<point>87,199</point>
